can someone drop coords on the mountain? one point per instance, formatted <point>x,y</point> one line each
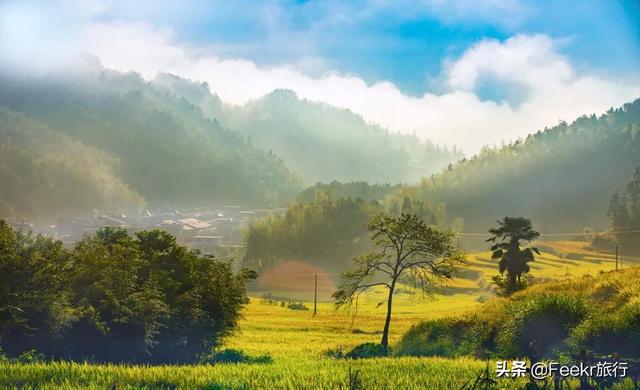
<point>43,172</point>
<point>320,142</point>
<point>158,146</point>
<point>560,177</point>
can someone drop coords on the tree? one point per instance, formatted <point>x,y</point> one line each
<point>115,297</point>
<point>633,194</point>
<point>406,249</point>
<point>514,259</point>
<point>617,211</point>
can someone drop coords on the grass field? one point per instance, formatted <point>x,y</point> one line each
<point>296,341</point>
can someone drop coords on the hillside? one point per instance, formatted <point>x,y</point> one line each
<point>42,170</point>
<point>598,314</point>
<point>320,142</point>
<point>166,150</point>
<point>560,177</point>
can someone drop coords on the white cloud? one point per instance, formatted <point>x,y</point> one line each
<point>555,90</point>
<point>548,86</point>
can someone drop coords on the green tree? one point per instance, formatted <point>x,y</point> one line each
<point>34,310</point>
<point>115,297</point>
<point>633,199</point>
<point>406,249</point>
<point>508,238</point>
<point>617,211</point>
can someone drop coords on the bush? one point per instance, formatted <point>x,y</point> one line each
<point>604,243</point>
<point>297,306</point>
<point>31,356</point>
<point>115,297</point>
<point>335,353</point>
<point>501,284</point>
<point>444,337</point>
<point>614,333</point>
<point>599,314</point>
<point>368,350</point>
<point>235,356</point>
<point>538,323</point>
<point>362,351</point>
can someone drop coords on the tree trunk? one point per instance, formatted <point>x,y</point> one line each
<point>512,282</point>
<point>387,321</point>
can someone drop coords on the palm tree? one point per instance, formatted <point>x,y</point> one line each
<point>508,238</point>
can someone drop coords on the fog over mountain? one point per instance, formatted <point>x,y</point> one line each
<point>320,142</point>
<point>172,141</point>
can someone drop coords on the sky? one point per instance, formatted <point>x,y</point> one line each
<point>457,72</point>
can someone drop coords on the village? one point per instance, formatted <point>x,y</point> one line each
<point>213,231</point>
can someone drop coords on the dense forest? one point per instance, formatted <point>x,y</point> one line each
<point>354,189</point>
<point>161,147</point>
<point>320,142</point>
<point>44,173</point>
<point>561,177</point>
<point>327,232</point>
<point>624,217</point>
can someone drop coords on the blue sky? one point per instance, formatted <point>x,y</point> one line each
<point>457,72</point>
<point>403,42</point>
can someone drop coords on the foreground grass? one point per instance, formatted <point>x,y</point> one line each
<point>392,373</point>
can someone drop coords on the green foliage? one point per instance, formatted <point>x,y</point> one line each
<point>537,325</point>
<point>513,259</point>
<point>548,320</point>
<point>456,337</point>
<point>406,249</point>
<point>368,351</point>
<point>235,356</point>
<point>560,177</point>
<point>297,306</point>
<point>115,297</point>
<point>326,232</point>
<point>354,190</point>
<point>616,333</point>
<point>156,144</point>
<point>362,351</point>
<point>505,288</point>
<point>44,173</point>
<point>624,215</point>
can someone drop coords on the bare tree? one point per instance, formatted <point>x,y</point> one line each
<point>406,250</point>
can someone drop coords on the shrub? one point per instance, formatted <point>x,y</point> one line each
<point>502,285</point>
<point>601,242</point>
<point>362,351</point>
<point>616,332</point>
<point>31,356</point>
<point>538,323</point>
<point>297,306</point>
<point>335,353</point>
<point>444,337</point>
<point>235,356</point>
<point>368,350</point>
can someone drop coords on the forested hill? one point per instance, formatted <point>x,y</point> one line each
<point>561,177</point>
<point>320,142</point>
<point>139,141</point>
<point>44,173</point>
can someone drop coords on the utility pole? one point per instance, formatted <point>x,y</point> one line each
<point>315,296</point>
<point>616,257</point>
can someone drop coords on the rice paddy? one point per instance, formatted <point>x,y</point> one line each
<point>297,341</point>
